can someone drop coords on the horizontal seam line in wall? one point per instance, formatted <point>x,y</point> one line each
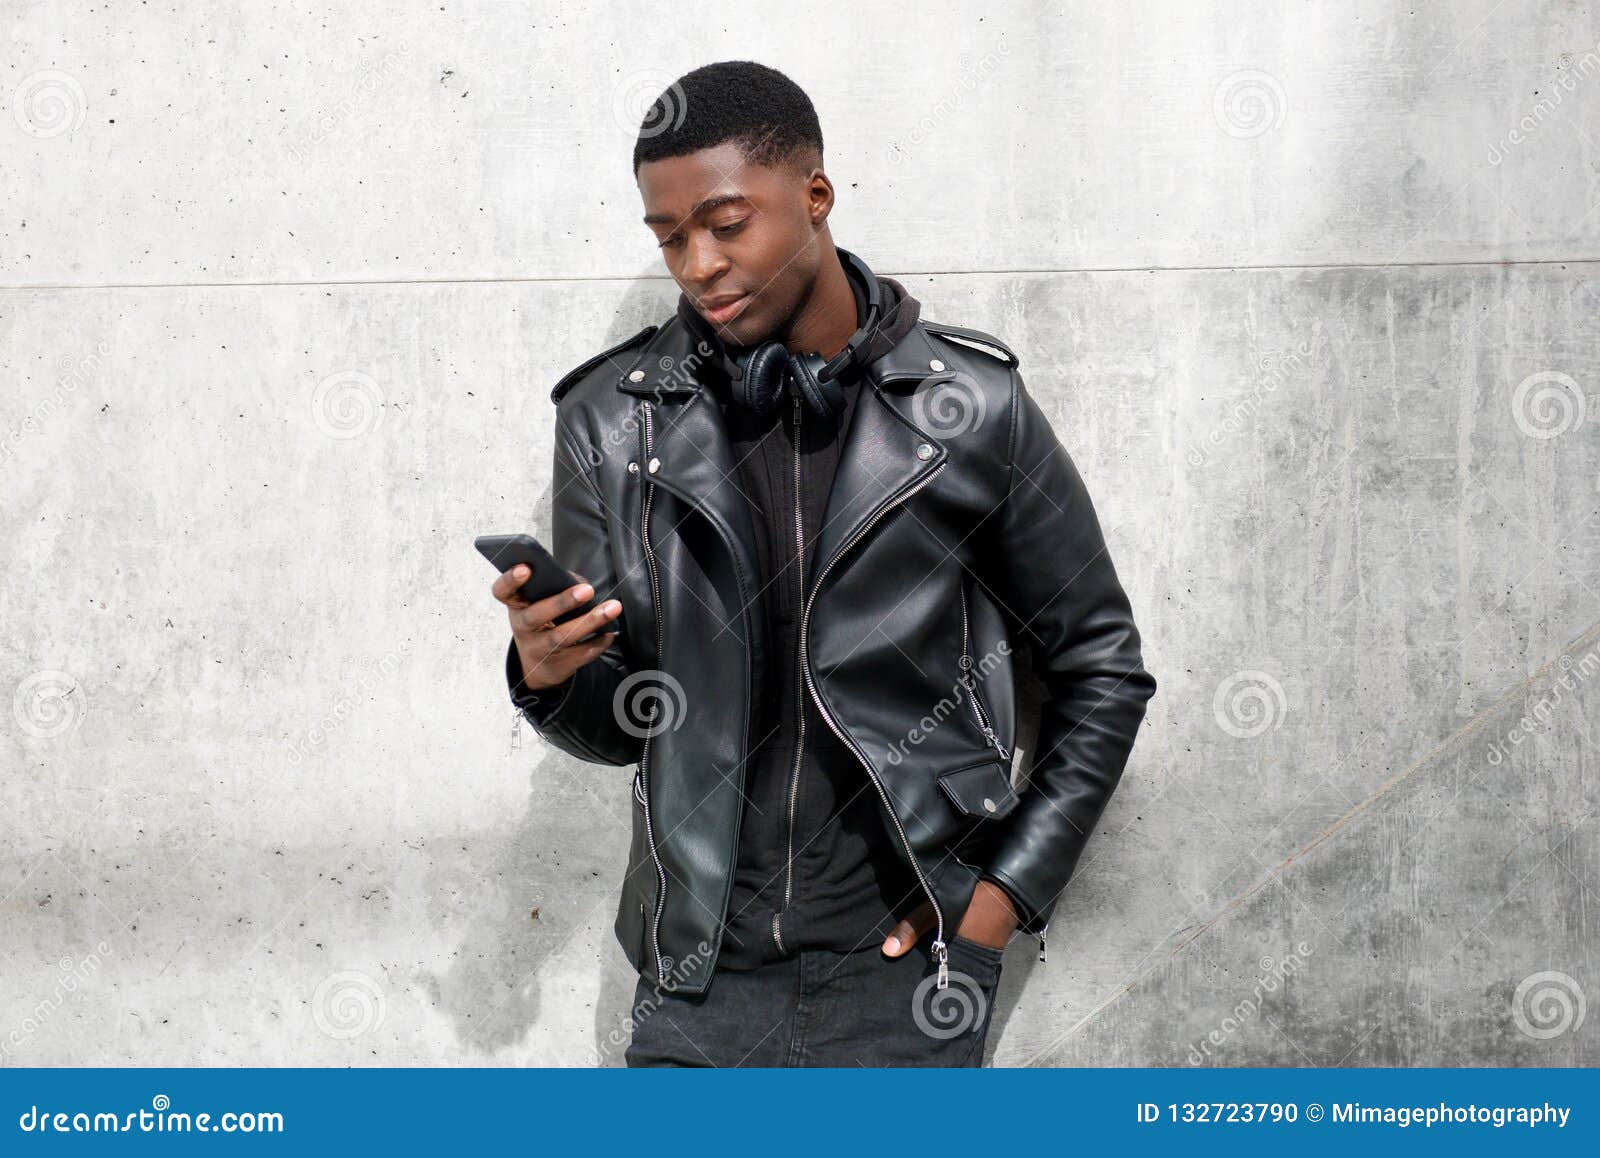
<point>401,281</point>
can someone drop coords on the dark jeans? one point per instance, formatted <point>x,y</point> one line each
<point>822,1008</point>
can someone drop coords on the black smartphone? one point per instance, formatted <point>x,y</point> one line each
<point>548,577</point>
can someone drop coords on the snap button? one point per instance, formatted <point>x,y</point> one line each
<point>655,465</point>
<point>924,450</point>
<point>936,365</point>
<point>666,964</point>
<point>633,468</point>
<point>636,376</point>
<point>988,805</point>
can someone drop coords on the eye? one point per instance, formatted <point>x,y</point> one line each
<point>672,242</point>
<point>730,229</point>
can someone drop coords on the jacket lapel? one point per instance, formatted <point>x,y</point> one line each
<point>694,458</point>
<point>880,459</point>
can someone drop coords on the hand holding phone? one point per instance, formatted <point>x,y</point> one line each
<point>555,629</point>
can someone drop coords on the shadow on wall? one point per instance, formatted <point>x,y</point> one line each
<point>562,860</point>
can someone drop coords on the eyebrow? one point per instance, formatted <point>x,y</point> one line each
<point>700,207</point>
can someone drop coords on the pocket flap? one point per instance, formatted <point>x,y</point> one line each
<point>981,789</point>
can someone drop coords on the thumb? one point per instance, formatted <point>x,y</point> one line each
<point>905,934</point>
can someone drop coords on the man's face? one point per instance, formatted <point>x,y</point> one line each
<point>740,240</point>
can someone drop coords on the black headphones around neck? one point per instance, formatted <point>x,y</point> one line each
<point>757,375</point>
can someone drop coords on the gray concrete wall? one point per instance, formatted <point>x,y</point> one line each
<point>1310,296</point>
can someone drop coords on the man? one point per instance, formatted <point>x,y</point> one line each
<point>832,532</point>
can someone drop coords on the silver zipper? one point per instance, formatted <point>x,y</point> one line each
<point>799,694</point>
<point>978,710</point>
<point>970,681</point>
<point>1041,941</point>
<point>940,951</point>
<point>644,756</point>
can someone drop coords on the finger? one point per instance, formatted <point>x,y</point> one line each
<point>537,614</point>
<point>570,632</point>
<point>905,934</point>
<point>505,587</point>
<point>559,663</point>
<point>900,940</point>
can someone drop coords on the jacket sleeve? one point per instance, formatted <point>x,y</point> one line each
<point>1048,565</point>
<point>578,716</point>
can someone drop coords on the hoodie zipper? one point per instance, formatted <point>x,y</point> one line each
<point>799,696</point>
<point>940,951</point>
<point>970,682</point>
<point>644,756</point>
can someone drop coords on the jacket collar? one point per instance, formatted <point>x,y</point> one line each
<point>885,452</point>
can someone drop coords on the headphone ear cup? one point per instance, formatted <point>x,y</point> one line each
<point>761,385</point>
<point>825,398</point>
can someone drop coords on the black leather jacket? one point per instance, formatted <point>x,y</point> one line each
<point>961,553</point>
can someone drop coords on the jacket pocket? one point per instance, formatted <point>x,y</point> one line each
<point>981,789</point>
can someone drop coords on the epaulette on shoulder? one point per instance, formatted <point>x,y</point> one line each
<point>977,339</point>
<point>572,376</point>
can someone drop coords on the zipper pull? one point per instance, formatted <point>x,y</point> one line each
<point>1041,944</point>
<point>516,729</point>
<point>942,955</point>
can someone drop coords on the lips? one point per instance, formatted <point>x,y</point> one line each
<point>723,307</point>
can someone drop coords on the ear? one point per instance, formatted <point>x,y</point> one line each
<point>819,197</point>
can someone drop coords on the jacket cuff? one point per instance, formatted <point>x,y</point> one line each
<point>1035,914</point>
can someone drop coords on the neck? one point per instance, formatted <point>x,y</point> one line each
<point>827,317</point>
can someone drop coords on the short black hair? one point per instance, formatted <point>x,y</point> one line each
<point>764,112</point>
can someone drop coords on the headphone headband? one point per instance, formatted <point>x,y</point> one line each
<point>874,293</point>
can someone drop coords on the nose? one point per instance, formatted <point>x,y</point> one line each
<point>703,262</point>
